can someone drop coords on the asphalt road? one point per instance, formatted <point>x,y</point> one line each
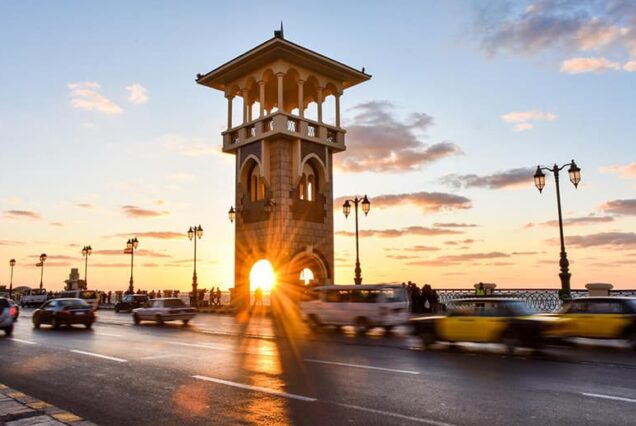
<point>223,371</point>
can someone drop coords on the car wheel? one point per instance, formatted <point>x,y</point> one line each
<point>136,319</point>
<point>314,322</point>
<point>428,338</point>
<point>88,325</point>
<point>361,325</point>
<point>55,323</point>
<point>186,321</point>
<point>8,330</point>
<point>511,341</point>
<point>159,319</point>
<point>36,322</point>
<point>116,310</point>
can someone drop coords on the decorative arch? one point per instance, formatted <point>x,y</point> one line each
<point>318,165</point>
<point>312,259</point>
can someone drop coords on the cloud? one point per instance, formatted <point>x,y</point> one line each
<point>160,235</point>
<point>86,95</point>
<point>574,221</point>
<point>582,25</point>
<point>400,257</point>
<point>137,94</point>
<point>22,214</point>
<point>421,248</point>
<point>11,243</point>
<point>627,171</point>
<point>623,207</point>
<point>84,205</point>
<point>57,224</point>
<point>630,66</point>
<point>109,265</point>
<point>513,178</point>
<point>522,119</point>
<point>137,212</point>
<point>610,239</point>
<point>583,65</point>
<point>454,225</point>
<point>394,233</point>
<point>377,141</point>
<point>190,147</point>
<point>426,201</point>
<point>456,243</point>
<point>53,257</point>
<point>469,257</point>
<point>138,252</point>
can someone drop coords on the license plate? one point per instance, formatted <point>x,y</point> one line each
<point>79,313</point>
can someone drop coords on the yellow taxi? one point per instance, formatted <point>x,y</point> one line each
<point>484,320</point>
<point>597,318</point>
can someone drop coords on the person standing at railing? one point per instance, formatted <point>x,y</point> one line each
<point>480,291</point>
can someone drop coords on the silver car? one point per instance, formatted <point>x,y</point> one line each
<point>7,311</point>
<point>162,310</point>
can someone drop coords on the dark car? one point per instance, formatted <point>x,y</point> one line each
<point>130,302</point>
<point>6,316</point>
<point>485,320</point>
<point>59,312</point>
<point>15,313</point>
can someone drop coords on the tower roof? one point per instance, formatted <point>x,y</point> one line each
<point>279,48</point>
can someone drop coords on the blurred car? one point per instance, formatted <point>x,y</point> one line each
<point>58,312</point>
<point>162,310</point>
<point>15,313</point>
<point>131,301</point>
<point>484,320</point>
<point>597,318</point>
<point>6,316</point>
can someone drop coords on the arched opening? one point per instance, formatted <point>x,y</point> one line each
<point>329,105</point>
<point>306,276</point>
<point>310,93</point>
<point>262,276</point>
<point>309,184</point>
<point>255,183</point>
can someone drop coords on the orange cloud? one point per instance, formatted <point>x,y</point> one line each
<point>513,178</point>
<point>623,207</point>
<point>394,233</point>
<point>427,201</point>
<point>22,214</point>
<point>138,212</point>
<point>159,235</point>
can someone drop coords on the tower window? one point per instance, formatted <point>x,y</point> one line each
<point>308,184</point>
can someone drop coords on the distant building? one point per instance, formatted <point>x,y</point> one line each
<point>74,282</point>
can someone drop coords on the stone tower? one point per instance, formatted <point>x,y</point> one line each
<point>283,149</point>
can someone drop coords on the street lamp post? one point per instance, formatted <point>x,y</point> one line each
<point>41,264</point>
<point>198,231</point>
<point>346,209</point>
<point>131,246</point>
<point>12,264</point>
<point>86,251</point>
<point>539,180</point>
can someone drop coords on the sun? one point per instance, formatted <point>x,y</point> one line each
<point>262,275</point>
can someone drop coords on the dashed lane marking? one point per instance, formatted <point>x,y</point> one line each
<point>615,398</point>
<point>107,334</point>
<point>112,358</point>
<point>368,367</point>
<point>256,388</point>
<point>395,415</point>
<point>160,356</point>
<point>198,345</point>
<point>28,342</point>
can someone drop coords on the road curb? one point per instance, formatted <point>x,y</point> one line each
<point>20,409</point>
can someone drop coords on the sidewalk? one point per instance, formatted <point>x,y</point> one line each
<point>18,409</point>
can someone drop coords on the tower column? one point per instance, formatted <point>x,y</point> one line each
<point>320,101</point>
<point>301,104</point>
<point>245,106</point>
<point>229,111</point>
<point>261,98</point>
<point>280,77</point>
<point>338,109</point>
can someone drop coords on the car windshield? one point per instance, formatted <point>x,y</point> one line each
<point>632,305</point>
<point>173,303</point>
<point>69,302</point>
<point>520,308</point>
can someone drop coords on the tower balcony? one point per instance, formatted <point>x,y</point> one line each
<point>281,124</point>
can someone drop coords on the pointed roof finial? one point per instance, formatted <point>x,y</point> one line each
<point>280,33</point>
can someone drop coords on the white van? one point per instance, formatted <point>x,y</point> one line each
<point>364,306</point>
<point>89,296</point>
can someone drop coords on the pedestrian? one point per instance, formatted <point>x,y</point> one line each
<point>258,297</point>
<point>159,294</point>
<point>218,296</point>
<point>426,298</point>
<point>110,293</point>
<point>212,297</point>
<point>480,291</point>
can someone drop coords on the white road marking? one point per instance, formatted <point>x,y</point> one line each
<point>28,342</point>
<point>256,388</point>
<point>369,367</point>
<point>396,415</point>
<point>160,356</point>
<point>615,398</point>
<point>112,358</point>
<point>107,334</point>
<point>197,345</point>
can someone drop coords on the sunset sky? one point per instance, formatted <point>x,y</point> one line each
<point>105,135</point>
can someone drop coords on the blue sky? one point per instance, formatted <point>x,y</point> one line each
<point>465,64</point>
